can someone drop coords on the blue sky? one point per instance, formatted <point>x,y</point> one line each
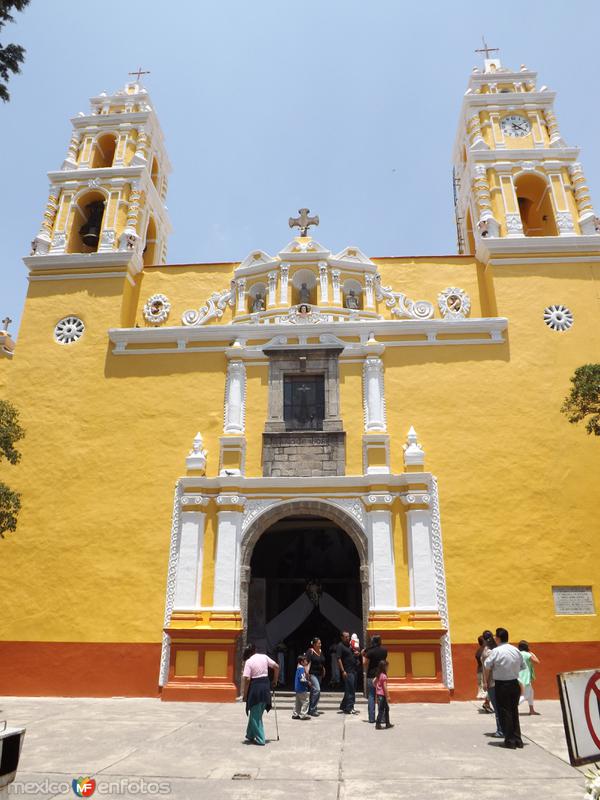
<point>349,108</point>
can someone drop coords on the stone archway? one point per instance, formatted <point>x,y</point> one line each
<point>295,508</point>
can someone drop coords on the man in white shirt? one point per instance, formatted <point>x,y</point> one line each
<point>504,663</point>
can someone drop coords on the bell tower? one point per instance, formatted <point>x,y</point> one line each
<point>519,187</point>
<point>106,205</point>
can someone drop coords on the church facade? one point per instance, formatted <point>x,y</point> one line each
<point>304,441</point>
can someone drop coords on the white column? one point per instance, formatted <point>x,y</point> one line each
<point>241,296</point>
<point>283,284</point>
<point>382,573</point>
<point>323,278</point>
<point>373,394</point>
<point>420,559</point>
<point>188,583</point>
<point>335,279</point>
<point>235,397</point>
<point>227,562</point>
<point>369,294</point>
<point>272,289</point>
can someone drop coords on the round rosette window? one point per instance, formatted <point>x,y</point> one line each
<point>558,317</point>
<point>156,309</point>
<point>68,330</point>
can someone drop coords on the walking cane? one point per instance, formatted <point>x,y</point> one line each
<point>275,710</point>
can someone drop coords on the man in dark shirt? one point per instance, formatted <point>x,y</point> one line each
<point>347,664</point>
<point>372,655</point>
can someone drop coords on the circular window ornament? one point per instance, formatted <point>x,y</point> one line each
<point>454,303</point>
<point>156,309</point>
<point>68,330</point>
<point>558,317</point>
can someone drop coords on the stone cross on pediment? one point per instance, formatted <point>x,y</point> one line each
<point>303,221</point>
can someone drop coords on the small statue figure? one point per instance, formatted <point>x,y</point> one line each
<point>259,302</point>
<point>304,294</point>
<point>351,299</point>
<point>196,459</point>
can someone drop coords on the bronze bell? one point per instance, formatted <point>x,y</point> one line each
<point>90,230</point>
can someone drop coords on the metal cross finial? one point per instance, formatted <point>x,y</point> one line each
<point>139,72</point>
<point>303,221</point>
<point>6,322</point>
<point>487,50</point>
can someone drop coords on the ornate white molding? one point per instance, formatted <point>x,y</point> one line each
<point>558,317</point>
<point>255,508</point>
<point>369,292</point>
<point>68,330</point>
<point>414,455</point>
<point>214,308</point>
<point>440,584</point>
<point>565,224</point>
<point>324,281</point>
<point>454,303</point>
<point>284,272</point>
<point>235,397</point>
<point>373,394</point>
<point>400,304</point>
<point>514,226</point>
<point>171,582</point>
<point>352,506</point>
<point>272,276</point>
<point>335,283</point>
<point>196,458</point>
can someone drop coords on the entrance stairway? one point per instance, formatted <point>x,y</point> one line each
<point>329,702</point>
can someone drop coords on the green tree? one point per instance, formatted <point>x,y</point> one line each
<point>10,433</point>
<point>11,55</point>
<point>583,401</point>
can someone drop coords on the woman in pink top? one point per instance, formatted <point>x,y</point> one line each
<point>256,691</point>
<point>380,682</point>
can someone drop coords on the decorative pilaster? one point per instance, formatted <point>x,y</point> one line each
<point>235,397</point>
<point>41,243</point>
<point>272,297</point>
<point>227,560</point>
<point>587,218</point>
<point>283,284</point>
<point>171,582</point>
<point>440,584</point>
<point>475,135</point>
<point>241,296</point>
<point>382,572</point>
<point>130,235</point>
<point>188,582</point>
<point>140,155</point>
<point>486,224</point>
<point>420,558</point>
<point>373,394</point>
<point>70,161</point>
<point>369,291</point>
<point>323,283</point>
<point>553,130</point>
<point>337,293</point>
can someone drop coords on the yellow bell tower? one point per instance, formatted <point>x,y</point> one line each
<point>106,206</point>
<point>519,187</point>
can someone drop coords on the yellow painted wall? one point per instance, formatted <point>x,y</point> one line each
<point>107,437</point>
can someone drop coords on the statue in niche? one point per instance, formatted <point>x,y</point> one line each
<point>259,302</point>
<point>304,294</point>
<point>351,299</point>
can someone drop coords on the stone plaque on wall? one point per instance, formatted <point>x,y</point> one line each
<point>573,600</point>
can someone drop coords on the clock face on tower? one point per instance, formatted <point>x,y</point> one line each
<point>515,125</point>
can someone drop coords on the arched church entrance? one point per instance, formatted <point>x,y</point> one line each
<point>305,576</point>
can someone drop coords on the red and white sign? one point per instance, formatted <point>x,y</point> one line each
<point>580,702</point>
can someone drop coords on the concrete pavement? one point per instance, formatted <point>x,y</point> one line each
<point>190,750</point>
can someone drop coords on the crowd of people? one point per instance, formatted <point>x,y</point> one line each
<point>352,664</point>
<point>505,677</point>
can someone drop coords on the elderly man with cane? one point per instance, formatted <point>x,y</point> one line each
<point>256,691</point>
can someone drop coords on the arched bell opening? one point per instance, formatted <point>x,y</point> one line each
<point>535,205</point>
<point>154,173</point>
<point>150,245</point>
<point>103,152</point>
<point>87,214</point>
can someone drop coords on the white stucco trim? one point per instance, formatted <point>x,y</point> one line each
<point>188,582</point>
<point>171,582</point>
<point>382,572</point>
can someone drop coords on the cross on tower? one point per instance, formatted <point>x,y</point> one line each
<point>303,221</point>
<point>139,72</point>
<point>6,322</point>
<point>487,50</point>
